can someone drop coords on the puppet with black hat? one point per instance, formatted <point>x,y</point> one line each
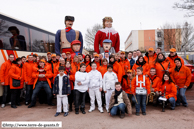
<point>64,37</point>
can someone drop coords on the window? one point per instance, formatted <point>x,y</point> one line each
<point>160,44</point>
<point>159,34</point>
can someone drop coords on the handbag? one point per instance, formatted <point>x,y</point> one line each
<point>15,82</point>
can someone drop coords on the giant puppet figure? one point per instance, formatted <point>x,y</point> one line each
<point>106,33</point>
<point>64,37</point>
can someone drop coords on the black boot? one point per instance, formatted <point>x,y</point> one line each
<point>76,111</point>
<point>13,106</point>
<point>70,108</point>
<point>83,110</point>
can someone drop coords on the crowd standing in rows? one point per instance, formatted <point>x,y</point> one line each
<point>115,80</point>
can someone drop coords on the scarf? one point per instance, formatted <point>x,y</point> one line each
<point>117,93</point>
<point>68,29</point>
<point>161,60</point>
<point>111,63</point>
<point>177,69</point>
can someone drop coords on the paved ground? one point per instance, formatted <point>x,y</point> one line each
<point>180,118</point>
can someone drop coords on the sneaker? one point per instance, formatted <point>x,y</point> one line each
<point>9,103</point>
<point>83,112</point>
<point>77,112</point>
<point>107,110</point>
<point>31,106</point>
<point>13,106</point>
<point>122,116</point>
<point>137,114</point>
<point>101,111</point>
<point>90,110</point>
<point>172,108</point>
<point>2,105</point>
<point>177,104</point>
<point>57,113</point>
<point>144,113</point>
<point>185,105</point>
<point>65,114</point>
<point>26,103</point>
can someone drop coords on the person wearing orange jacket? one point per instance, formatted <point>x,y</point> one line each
<point>140,81</point>
<point>97,60</point>
<point>87,61</point>
<point>75,65</point>
<point>124,63</point>
<point>181,75</point>
<point>141,63</point>
<point>154,85</point>
<point>68,57</point>
<point>61,63</point>
<point>116,67</point>
<point>29,81</point>
<point>16,73</point>
<point>169,88</point>
<point>150,57</point>
<point>162,65</point>
<point>103,69</point>
<point>126,85</point>
<point>42,80</point>
<point>173,55</point>
<point>4,79</point>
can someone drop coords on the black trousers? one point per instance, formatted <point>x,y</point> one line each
<point>29,89</point>
<point>79,100</point>
<point>71,98</point>
<point>15,96</point>
<point>6,94</point>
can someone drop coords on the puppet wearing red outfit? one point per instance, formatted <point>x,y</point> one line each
<point>107,33</point>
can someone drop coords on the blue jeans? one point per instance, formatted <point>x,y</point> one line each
<point>181,97</point>
<point>141,99</point>
<point>114,109</point>
<point>38,87</point>
<point>131,98</point>
<point>172,102</point>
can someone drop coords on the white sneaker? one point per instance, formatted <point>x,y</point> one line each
<point>107,110</point>
<point>101,111</point>
<point>90,110</point>
<point>2,105</point>
<point>9,103</point>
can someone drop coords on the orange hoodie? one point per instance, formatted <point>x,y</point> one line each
<point>145,67</point>
<point>28,70</point>
<point>171,90</point>
<point>125,65</point>
<point>102,70</point>
<point>4,72</point>
<point>140,78</point>
<point>161,66</point>
<point>126,84</point>
<point>171,59</point>
<point>75,66</point>
<point>150,59</point>
<point>182,76</point>
<point>16,72</point>
<point>155,81</point>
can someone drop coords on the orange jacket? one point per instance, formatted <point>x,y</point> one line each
<point>125,65</point>
<point>102,70</point>
<point>126,84</point>
<point>150,59</point>
<point>71,74</point>
<point>171,59</point>
<point>28,70</point>
<point>17,73</point>
<point>53,66</point>
<point>56,70</point>
<point>118,70</point>
<point>155,81</point>
<point>140,78</point>
<point>181,77</point>
<point>160,70</point>
<point>145,67</point>
<point>171,90</point>
<point>4,72</point>
<point>75,66</point>
<point>48,76</point>
<point>88,67</point>
<point>98,64</point>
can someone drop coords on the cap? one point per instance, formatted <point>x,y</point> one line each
<point>75,42</point>
<point>68,53</point>
<point>53,55</point>
<point>122,52</point>
<point>172,50</point>
<point>96,55</point>
<point>177,59</point>
<point>129,71</point>
<point>69,18</point>
<point>107,41</point>
<point>150,49</point>
<point>42,61</point>
<point>48,53</point>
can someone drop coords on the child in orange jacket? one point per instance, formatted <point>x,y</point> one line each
<point>140,87</point>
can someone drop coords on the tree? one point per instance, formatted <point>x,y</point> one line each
<point>90,36</point>
<point>187,5</point>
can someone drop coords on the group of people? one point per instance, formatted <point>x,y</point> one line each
<point>115,80</point>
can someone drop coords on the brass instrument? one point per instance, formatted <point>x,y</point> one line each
<point>163,103</point>
<point>152,94</point>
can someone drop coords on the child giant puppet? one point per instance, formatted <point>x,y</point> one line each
<point>106,33</point>
<point>64,37</point>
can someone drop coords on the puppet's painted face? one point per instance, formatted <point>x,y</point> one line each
<point>108,24</point>
<point>107,46</point>
<point>76,47</point>
<point>69,23</point>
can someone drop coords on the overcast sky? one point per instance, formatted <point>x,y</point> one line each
<point>127,14</point>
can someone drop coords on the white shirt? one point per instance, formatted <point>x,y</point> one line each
<point>95,78</point>
<point>135,58</point>
<point>84,79</point>
<point>109,80</point>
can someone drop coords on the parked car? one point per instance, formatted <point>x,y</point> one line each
<point>191,67</point>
